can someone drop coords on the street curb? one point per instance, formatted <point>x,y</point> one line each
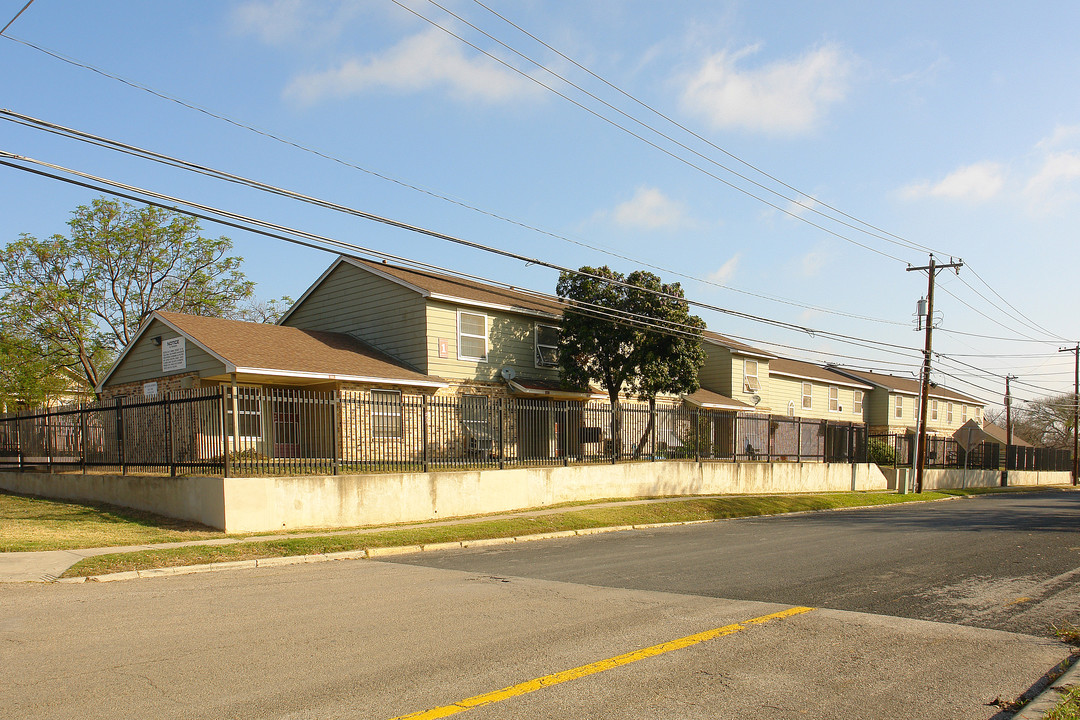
<point>1049,698</point>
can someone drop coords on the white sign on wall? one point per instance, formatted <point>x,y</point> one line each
<point>173,355</point>
<point>149,388</point>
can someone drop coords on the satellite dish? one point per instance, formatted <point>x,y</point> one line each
<point>508,373</point>
<point>756,399</point>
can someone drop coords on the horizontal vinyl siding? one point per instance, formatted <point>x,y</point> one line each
<point>510,344</point>
<point>379,312</point>
<point>738,386</point>
<point>878,407</point>
<point>941,426</point>
<point>786,389</point>
<point>715,375</point>
<point>143,361</point>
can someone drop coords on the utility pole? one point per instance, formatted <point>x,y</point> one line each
<point>1076,409</point>
<point>920,449</point>
<point>1008,428</point>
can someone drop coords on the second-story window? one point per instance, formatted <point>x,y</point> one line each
<point>898,412</point>
<point>948,413</point>
<point>933,409</point>
<point>834,399</point>
<point>807,396</point>
<point>963,414</point>
<point>547,346</point>
<point>472,336</point>
<point>750,378</point>
<point>858,402</point>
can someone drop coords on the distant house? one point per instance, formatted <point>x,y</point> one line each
<point>736,371</point>
<point>999,435</point>
<point>893,405</point>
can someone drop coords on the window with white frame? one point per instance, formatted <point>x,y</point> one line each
<point>472,336</point>
<point>978,415</point>
<point>963,414</point>
<point>858,402</point>
<point>948,413</point>
<point>834,399</point>
<point>791,408</point>
<point>933,409</point>
<point>547,346</point>
<point>807,396</point>
<point>898,406</point>
<point>248,411</point>
<point>750,376</point>
<point>386,414</point>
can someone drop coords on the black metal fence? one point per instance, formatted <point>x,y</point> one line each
<point>280,431</point>
<point>899,451</point>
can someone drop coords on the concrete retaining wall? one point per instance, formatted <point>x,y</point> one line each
<point>258,504</point>
<point>1040,477</point>
<point>200,499</point>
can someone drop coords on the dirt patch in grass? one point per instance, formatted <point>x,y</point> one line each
<point>615,516</point>
<point>30,523</point>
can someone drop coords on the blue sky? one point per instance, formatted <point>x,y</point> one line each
<point>950,127</point>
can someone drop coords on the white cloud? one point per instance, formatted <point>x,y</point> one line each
<point>282,22</point>
<point>650,209</point>
<point>724,273</point>
<point>421,62</point>
<point>1063,135</point>
<point>782,97</point>
<point>1056,183</point>
<point>973,183</point>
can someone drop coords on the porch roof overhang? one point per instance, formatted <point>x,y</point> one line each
<point>548,388</point>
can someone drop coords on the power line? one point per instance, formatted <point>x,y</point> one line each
<point>274,230</point>
<point>12,20</point>
<point>649,142</point>
<point>699,137</point>
<point>434,194</point>
<point>810,208</point>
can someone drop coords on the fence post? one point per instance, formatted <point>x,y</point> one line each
<point>82,437</point>
<point>169,459</point>
<point>18,438</point>
<point>652,419</point>
<point>335,427</point>
<point>798,439</point>
<point>225,464</point>
<point>48,441</point>
<point>120,435</point>
<point>697,434</point>
<point>424,431</point>
<point>502,412</point>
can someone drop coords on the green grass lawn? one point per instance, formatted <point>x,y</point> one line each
<point>33,523</point>
<point>684,510</point>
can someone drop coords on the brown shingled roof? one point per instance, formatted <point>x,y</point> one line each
<point>909,386</point>
<point>288,349</point>
<point>734,344</point>
<point>798,368</point>
<point>440,284</point>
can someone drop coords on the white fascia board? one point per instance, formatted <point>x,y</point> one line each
<point>549,393</point>
<point>492,306</point>
<point>717,406</point>
<point>229,367</point>
<point>334,376</point>
<point>821,381</point>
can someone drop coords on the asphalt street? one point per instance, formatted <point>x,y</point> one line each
<point>380,640</point>
<point>1007,562</point>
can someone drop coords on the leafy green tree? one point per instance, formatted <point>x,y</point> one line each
<point>79,298</point>
<point>631,334</point>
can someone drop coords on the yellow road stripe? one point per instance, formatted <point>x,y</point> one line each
<point>592,668</point>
